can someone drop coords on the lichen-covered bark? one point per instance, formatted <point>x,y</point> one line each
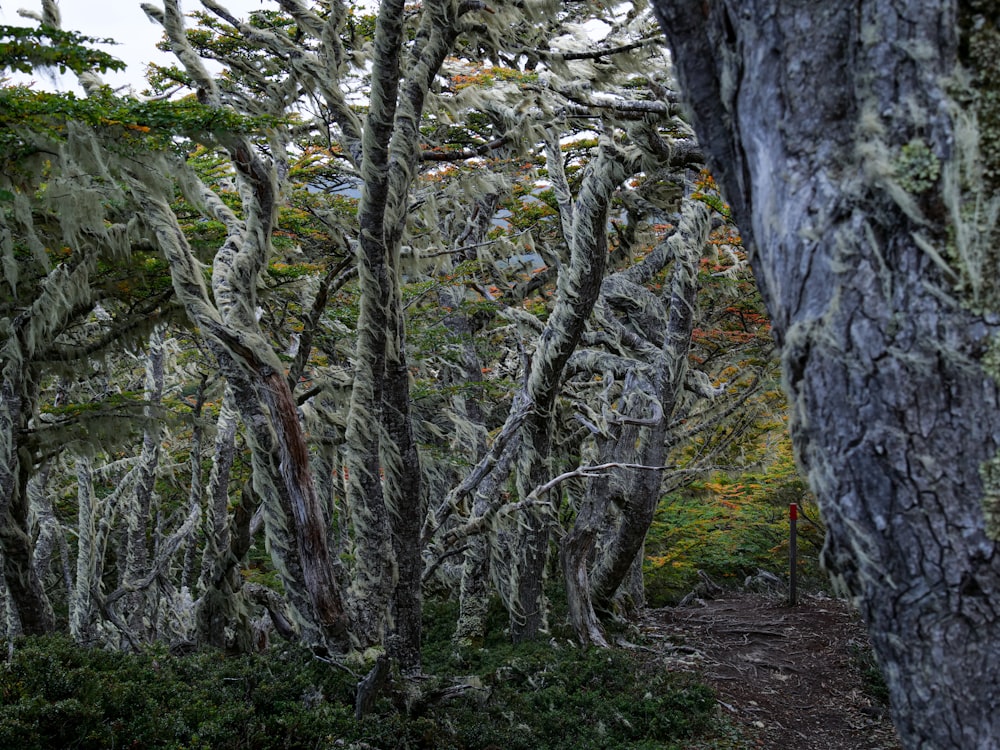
<point>81,606</point>
<point>29,604</point>
<point>638,501</point>
<point>27,591</point>
<point>195,491</point>
<point>385,482</point>
<point>474,582</point>
<point>218,605</point>
<point>63,295</point>
<point>137,513</point>
<point>372,587</point>
<point>294,520</point>
<point>577,290</point>
<point>620,505</point>
<point>812,115</point>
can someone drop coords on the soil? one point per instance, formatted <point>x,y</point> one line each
<point>789,677</point>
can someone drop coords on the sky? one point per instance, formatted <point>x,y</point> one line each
<point>122,20</point>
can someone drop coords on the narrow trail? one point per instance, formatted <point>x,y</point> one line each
<point>790,676</point>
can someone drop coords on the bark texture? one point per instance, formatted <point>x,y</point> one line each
<point>813,116</point>
<point>140,504</point>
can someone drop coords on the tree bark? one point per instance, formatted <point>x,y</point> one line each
<point>294,519</point>
<point>812,115</point>
<point>28,599</point>
<point>81,607</point>
<point>576,293</point>
<point>639,490</point>
<point>138,508</point>
<point>373,585</point>
<point>385,480</point>
<point>295,524</point>
<point>220,582</point>
<point>63,295</point>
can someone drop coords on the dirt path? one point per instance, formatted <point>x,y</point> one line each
<point>789,675</point>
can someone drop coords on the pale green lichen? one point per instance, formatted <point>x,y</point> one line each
<point>917,167</point>
<point>989,472</point>
<point>970,183</point>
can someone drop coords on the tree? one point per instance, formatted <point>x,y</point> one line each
<point>856,144</point>
<point>60,263</point>
<point>448,289</point>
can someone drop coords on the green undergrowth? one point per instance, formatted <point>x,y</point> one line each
<point>546,694</point>
<point>55,694</point>
<point>731,527</point>
<point>872,681</point>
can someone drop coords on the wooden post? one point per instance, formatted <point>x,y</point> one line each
<point>793,553</point>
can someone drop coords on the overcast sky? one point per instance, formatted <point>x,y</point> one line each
<point>122,20</point>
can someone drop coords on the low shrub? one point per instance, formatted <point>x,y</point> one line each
<point>55,694</point>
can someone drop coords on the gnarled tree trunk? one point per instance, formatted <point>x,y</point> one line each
<point>577,290</point>
<point>637,432</point>
<point>834,131</point>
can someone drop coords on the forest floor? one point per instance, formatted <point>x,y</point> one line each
<point>796,678</point>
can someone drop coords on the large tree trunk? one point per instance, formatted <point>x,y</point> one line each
<point>385,480</point>
<point>834,138</point>
<point>406,489</point>
<point>372,587</point>
<point>294,519</point>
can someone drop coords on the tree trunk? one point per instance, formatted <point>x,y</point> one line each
<point>219,583</point>
<point>386,485</point>
<point>639,440</point>
<point>217,518</point>
<point>636,429</point>
<point>196,491</point>
<point>28,599</point>
<point>402,469</point>
<point>294,520</point>
<point>81,607</point>
<point>49,529</point>
<point>295,523</point>
<point>138,508</point>
<point>577,290</point>
<point>837,143</point>
<point>576,550</point>
<point>26,589</point>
